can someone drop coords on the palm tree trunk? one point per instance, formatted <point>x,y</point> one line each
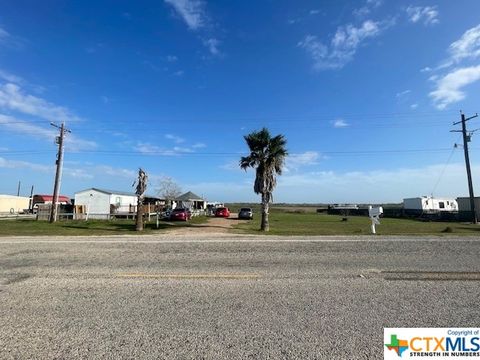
<point>265,225</point>
<point>139,220</point>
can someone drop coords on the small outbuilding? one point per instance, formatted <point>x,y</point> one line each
<point>10,204</point>
<point>191,201</point>
<point>97,203</point>
<point>464,209</point>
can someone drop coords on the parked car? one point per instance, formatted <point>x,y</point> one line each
<point>179,214</point>
<point>222,212</point>
<point>166,213</point>
<point>245,213</point>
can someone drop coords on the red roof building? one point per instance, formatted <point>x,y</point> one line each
<point>46,199</point>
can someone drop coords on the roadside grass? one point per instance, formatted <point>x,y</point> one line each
<point>86,228</point>
<point>292,223</point>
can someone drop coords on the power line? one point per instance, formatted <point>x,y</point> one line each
<point>172,153</point>
<point>266,117</point>
<point>444,168</point>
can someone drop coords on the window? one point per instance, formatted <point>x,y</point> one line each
<point>441,205</point>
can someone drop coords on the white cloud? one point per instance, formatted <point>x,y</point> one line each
<point>4,35</point>
<point>179,73</point>
<point>340,123</point>
<point>191,11</point>
<point>116,172</point>
<point>314,12</point>
<point>195,16</point>
<point>13,98</point>
<point>72,143</point>
<point>413,106</point>
<point>449,87</point>
<point>180,150</point>
<point>377,186</point>
<point>342,47</point>
<point>171,58</point>
<point>174,138</point>
<point>367,8</point>
<point>295,161</point>
<point>15,164</point>
<point>465,48</point>
<point>23,127</point>
<point>367,187</point>
<point>231,166</point>
<point>212,45</point>
<point>468,46</point>
<point>403,93</point>
<point>77,173</point>
<point>149,149</point>
<point>5,75</point>
<point>427,14</point>
<point>199,146</point>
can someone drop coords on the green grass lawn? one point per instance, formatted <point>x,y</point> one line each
<point>91,227</point>
<point>289,223</point>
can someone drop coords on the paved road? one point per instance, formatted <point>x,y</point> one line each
<point>221,297</point>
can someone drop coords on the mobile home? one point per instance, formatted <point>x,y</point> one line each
<point>101,203</point>
<point>429,205</point>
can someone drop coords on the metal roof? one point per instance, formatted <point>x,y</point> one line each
<point>189,196</point>
<point>109,192</point>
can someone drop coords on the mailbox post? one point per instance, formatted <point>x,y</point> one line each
<point>374,214</point>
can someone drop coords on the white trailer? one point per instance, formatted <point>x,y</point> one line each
<point>429,204</point>
<point>101,204</point>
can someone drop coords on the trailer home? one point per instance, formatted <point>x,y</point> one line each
<point>101,203</point>
<point>429,205</point>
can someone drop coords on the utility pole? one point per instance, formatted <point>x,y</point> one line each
<point>18,188</point>
<point>466,140</point>
<point>58,173</point>
<point>30,206</point>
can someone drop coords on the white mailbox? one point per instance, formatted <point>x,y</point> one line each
<point>374,214</point>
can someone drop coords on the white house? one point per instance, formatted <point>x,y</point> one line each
<point>100,203</point>
<point>429,204</point>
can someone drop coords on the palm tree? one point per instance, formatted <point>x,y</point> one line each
<point>141,187</point>
<point>267,156</point>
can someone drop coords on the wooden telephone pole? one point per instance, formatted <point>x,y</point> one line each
<point>466,140</point>
<point>58,173</point>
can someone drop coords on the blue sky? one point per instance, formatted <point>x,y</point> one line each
<point>364,91</point>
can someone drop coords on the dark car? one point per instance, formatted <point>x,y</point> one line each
<point>179,214</point>
<point>222,212</point>
<point>245,213</point>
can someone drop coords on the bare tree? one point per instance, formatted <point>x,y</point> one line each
<point>168,189</point>
<point>141,187</point>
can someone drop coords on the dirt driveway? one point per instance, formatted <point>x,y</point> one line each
<point>213,225</point>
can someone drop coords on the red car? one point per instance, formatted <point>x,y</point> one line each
<point>179,214</point>
<point>222,212</point>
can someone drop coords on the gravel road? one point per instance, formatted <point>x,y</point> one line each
<point>228,297</point>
